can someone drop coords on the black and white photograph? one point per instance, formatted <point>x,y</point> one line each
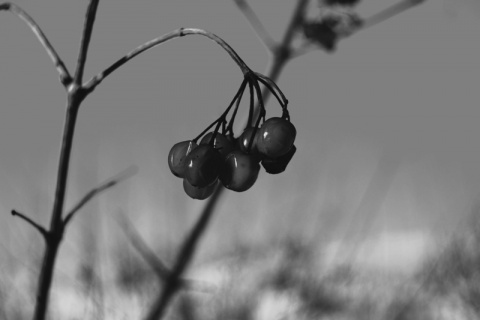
<point>240,160</point>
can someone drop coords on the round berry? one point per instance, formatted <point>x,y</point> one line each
<point>276,137</point>
<point>221,143</point>
<point>244,140</point>
<point>199,193</point>
<point>240,171</point>
<point>177,156</point>
<point>203,165</point>
<point>278,165</point>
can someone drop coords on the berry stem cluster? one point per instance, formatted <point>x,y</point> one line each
<point>234,161</point>
<point>251,79</point>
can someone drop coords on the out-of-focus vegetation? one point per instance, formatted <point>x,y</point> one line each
<point>283,279</point>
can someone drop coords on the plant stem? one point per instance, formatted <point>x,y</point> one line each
<point>55,234</point>
<point>184,257</point>
<point>45,280</point>
<point>87,35</point>
<point>96,80</point>
<point>76,94</point>
<point>256,24</point>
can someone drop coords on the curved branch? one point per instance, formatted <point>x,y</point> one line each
<point>96,80</point>
<point>65,77</point>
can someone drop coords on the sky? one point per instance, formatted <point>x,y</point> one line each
<point>395,107</point>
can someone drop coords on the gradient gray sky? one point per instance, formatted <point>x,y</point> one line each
<point>405,91</point>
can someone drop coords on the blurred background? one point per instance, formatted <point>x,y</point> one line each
<point>388,135</point>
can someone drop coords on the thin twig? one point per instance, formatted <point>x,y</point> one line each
<point>65,77</point>
<point>256,24</point>
<point>389,12</point>
<point>41,229</point>
<point>268,82</point>
<point>86,36</point>
<point>108,184</point>
<point>153,260</point>
<point>96,80</point>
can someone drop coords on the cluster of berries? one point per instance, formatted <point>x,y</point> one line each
<point>219,157</point>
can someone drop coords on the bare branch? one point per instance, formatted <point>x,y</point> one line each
<point>283,52</point>
<point>389,12</point>
<point>87,34</point>
<point>65,77</point>
<point>30,221</point>
<point>92,83</point>
<point>153,260</point>
<point>362,24</point>
<point>256,24</point>
<point>184,257</point>
<point>295,22</point>
<point>108,184</point>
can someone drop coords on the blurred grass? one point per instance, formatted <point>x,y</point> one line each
<point>267,258</point>
<point>281,279</point>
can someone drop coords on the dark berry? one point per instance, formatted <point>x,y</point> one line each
<point>246,138</point>
<point>276,137</point>
<point>199,193</point>
<point>203,165</point>
<point>240,171</point>
<point>177,156</point>
<point>221,143</point>
<point>278,165</point>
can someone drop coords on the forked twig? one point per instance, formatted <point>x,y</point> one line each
<point>127,173</point>
<point>65,77</point>
<point>184,257</point>
<point>283,51</point>
<point>76,94</point>
<point>153,260</point>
